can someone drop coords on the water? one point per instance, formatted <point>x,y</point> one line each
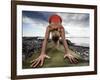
<point>81,41</point>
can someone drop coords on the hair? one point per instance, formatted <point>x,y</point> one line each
<point>55,18</point>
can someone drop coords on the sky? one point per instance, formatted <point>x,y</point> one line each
<point>35,23</point>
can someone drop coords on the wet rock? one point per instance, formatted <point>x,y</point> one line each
<point>29,46</point>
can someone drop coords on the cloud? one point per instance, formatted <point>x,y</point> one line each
<point>79,19</point>
<point>75,24</point>
<point>28,20</point>
<point>33,27</point>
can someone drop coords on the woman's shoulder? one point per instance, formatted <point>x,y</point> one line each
<point>61,27</point>
<point>49,28</point>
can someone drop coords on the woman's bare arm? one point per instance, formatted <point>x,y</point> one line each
<point>63,39</point>
<point>68,53</point>
<point>45,40</point>
<point>43,55</point>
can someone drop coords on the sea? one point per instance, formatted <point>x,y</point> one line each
<point>80,41</point>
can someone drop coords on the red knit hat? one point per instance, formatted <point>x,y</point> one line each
<point>55,18</point>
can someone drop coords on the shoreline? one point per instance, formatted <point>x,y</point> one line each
<point>34,44</point>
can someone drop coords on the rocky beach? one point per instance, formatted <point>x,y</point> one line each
<point>31,47</point>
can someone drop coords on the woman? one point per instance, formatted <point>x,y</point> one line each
<point>57,31</point>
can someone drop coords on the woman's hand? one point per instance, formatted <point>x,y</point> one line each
<point>73,58</point>
<point>39,60</point>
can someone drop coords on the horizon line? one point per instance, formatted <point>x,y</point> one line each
<point>65,37</point>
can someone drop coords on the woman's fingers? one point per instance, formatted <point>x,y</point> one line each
<point>32,61</point>
<point>74,61</point>
<point>42,61</point>
<point>36,64</point>
<point>65,56</point>
<point>39,60</point>
<point>71,59</point>
<point>47,57</point>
